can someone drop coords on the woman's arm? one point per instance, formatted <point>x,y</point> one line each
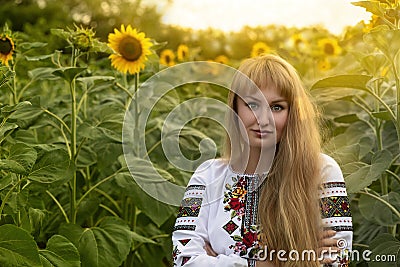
<point>191,232</point>
<point>335,211</point>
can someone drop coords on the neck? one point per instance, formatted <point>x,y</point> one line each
<point>256,161</point>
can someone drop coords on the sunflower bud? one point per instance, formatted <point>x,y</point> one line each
<point>82,38</point>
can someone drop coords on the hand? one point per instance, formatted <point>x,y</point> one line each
<point>327,243</point>
<point>209,250</point>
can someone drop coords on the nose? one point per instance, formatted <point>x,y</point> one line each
<point>265,117</point>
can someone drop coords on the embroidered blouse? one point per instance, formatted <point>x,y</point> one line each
<point>220,207</point>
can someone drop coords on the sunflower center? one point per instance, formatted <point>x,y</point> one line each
<point>5,46</point>
<point>130,48</point>
<point>329,49</point>
<point>168,59</point>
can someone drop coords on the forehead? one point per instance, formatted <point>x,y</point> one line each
<point>268,92</point>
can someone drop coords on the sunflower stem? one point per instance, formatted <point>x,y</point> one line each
<point>73,139</point>
<point>136,110</point>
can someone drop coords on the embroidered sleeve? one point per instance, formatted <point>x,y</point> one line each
<point>335,211</point>
<point>190,230</point>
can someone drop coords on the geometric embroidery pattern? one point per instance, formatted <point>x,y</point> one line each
<point>184,260</point>
<point>334,184</point>
<point>185,227</point>
<point>195,187</point>
<point>340,228</point>
<point>184,241</point>
<point>335,206</point>
<point>230,227</point>
<point>190,207</point>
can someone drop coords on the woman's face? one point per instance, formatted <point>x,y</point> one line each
<point>258,119</point>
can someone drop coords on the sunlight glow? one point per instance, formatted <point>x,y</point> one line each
<point>232,15</point>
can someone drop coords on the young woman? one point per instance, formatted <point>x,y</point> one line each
<point>274,199</point>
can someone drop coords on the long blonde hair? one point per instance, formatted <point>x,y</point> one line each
<point>289,212</point>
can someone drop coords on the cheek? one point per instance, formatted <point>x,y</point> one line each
<point>280,121</point>
<point>246,116</point>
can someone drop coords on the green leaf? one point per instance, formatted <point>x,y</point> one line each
<point>38,58</point>
<point>100,47</point>
<point>371,6</point>
<point>157,211</point>
<point>6,127</point>
<point>21,159</point>
<point>350,118</point>
<point>60,252</point>
<point>377,211</point>
<point>383,246</point>
<point>385,39</point>
<point>17,247</point>
<point>68,73</point>
<point>346,81</point>
<point>106,245</point>
<point>32,45</point>
<point>51,166</point>
<point>142,239</point>
<point>41,74</point>
<point>373,63</point>
<point>36,218</point>
<point>61,33</point>
<point>383,115</point>
<point>7,110</point>
<point>368,174</point>
<point>89,81</point>
<point>5,181</point>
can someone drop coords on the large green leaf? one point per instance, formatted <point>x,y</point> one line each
<point>378,211</point>
<point>21,159</point>
<point>7,110</point>
<point>385,251</point>
<point>364,176</point>
<point>102,246</point>
<point>157,211</point>
<point>60,252</point>
<point>6,127</point>
<point>345,81</point>
<point>68,73</point>
<point>17,247</point>
<point>51,166</point>
<point>25,115</point>
<point>385,39</point>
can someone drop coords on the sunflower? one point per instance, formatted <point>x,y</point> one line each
<point>329,46</point>
<point>260,48</point>
<point>297,41</point>
<point>131,49</point>
<point>6,49</point>
<point>222,59</point>
<point>323,64</point>
<point>182,52</point>
<point>167,57</point>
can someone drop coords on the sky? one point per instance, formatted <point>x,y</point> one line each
<point>232,15</point>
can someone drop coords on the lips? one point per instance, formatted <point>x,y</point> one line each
<point>262,133</point>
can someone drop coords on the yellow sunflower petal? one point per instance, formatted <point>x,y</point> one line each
<point>131,49</point>
<point>6,49</point>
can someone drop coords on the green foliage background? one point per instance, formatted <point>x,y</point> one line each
<point>67,197</point>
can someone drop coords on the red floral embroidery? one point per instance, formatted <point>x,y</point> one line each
<point>235,197</point>
<point>249,239</point>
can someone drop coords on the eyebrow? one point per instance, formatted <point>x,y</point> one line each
<point>274,101</point>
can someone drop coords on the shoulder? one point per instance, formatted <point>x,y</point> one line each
<point>330,170</point>
<point>208,170</point>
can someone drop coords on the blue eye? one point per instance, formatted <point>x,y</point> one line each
<point>276,108</point>
<point>252,105</point>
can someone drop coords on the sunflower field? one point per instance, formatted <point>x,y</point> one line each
<point>69,73</point>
